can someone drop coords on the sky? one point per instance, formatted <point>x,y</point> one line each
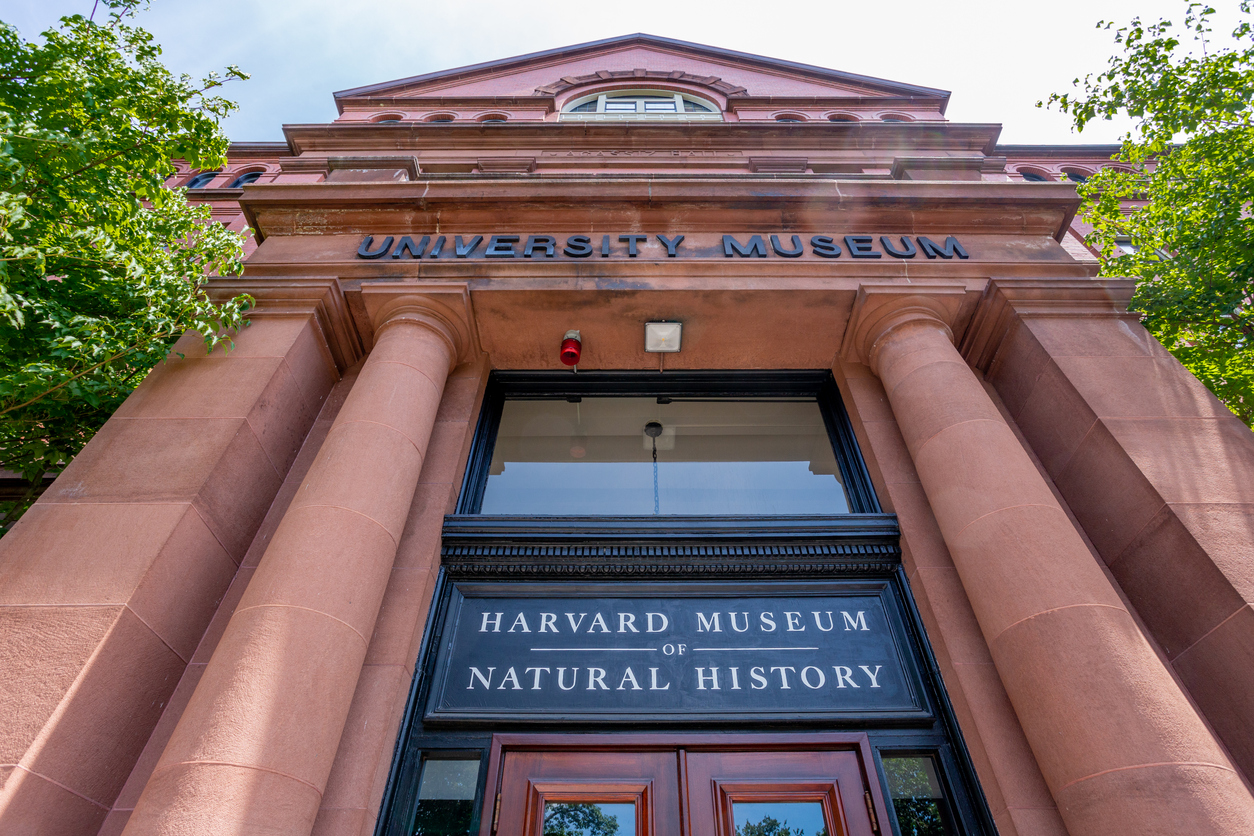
<point>997,59</point>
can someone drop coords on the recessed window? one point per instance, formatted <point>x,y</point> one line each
<point>891,118</point>
<point>788,117</point>
<point>446,797</point>
<point>661,456</point>
<point>1076,176</point>
<point>918,799</point>
<point>387,121</point>
<point>441,117</point>
<point>842,117</point>
<point>202,180</point>
<point>1033,177</point>
<point>244,179</point>
<point>492,118</point>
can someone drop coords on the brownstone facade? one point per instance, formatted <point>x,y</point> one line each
<point>211,621</point>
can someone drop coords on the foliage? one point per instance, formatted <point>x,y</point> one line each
<point>578,820</point>
<point>771,826</point>
<point>101,266</point>
<point>1183,197</point>
<point>915,798</point>
<point>443,817</point>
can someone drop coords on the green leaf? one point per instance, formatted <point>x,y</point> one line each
<point>102,268</point>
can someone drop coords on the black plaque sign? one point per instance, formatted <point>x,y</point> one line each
<point>510,652</point>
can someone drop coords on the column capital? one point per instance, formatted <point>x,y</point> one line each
<point>442,308</point>
<point>880,309</point>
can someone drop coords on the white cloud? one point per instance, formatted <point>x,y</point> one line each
<point>998,60</point>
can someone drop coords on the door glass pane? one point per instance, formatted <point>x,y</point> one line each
<point>779,818</point>
<point>714,457</point>
<point>918,799</point>
<point>589,819</point>
<point>446,797</point>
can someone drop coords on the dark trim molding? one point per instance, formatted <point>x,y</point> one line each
<point>701,384</point>
<point>666,531</point>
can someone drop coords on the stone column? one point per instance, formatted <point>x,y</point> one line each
<point>253,749</point>
<point>1121,748</point>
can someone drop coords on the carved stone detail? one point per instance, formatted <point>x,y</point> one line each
<point>714,82</point>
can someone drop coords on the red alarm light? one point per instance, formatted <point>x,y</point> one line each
<point>571,348</point>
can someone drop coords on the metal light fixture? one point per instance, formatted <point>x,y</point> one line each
<point>662,336</point>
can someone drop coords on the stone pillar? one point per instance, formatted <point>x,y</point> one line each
<point>253,749</point>
<point>108,583</point>
<point>1121,748</point>
<point>1157,471</point>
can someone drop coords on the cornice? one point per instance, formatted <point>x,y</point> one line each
<point>475,546</point>
<point>991,207</point>
<point>896,137</point>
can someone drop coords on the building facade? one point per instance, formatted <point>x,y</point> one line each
<point>645,437</point>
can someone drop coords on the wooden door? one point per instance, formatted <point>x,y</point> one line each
<point>569,789</point>
<point>731,793</point>
<point>682,787</point>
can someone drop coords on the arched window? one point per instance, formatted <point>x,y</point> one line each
<point>244,179</point>
<point>492,118</point>
<point>441,117</point>
<point>635,105</point>
<point>1033,177</point>
<point>789,117</point>
<point>202,180</point>
<point>1075,176</point>
<point>895,117</point>
<point>387,118</point>
<point>842,117</point>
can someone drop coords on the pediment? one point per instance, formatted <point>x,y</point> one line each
<point>649,59</point>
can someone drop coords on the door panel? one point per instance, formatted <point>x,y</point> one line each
<point>775,784</point>
<point>560,782</point>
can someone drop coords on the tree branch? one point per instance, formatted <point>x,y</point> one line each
<point>68,381</point>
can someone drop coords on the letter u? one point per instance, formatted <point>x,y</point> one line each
<point>908,252</point>
<point>796,251</point>
<point>364,250</point>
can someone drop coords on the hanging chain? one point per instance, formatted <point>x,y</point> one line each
<point>655,494</point>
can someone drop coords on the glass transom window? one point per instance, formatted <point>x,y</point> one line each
<point>641,104</point>
<point>639,456</point>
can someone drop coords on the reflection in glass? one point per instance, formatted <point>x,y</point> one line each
<point>779,818</point>
<point>446,797</point>
<point>917,797</point>
<point>589,819</point>
<point>714,457</point>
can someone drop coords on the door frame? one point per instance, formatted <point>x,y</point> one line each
<point>682,742</point>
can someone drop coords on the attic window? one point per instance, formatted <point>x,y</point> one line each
<point>1033,177</point>
<point>637,105</point>
<point>244,179</point>
<point>202,180</point>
